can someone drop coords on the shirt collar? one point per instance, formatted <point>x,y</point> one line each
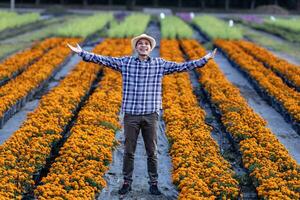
<point>149,59</point>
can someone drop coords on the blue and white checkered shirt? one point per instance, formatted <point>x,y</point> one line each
<point>142,80</point>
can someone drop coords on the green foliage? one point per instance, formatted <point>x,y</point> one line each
<point>292,24</point>
<point>287,28</point>
<point>13,19</point>
<point>215,28</point>
<point>7,49</point>
<point>173,27</point>
<point>84,26</point>
<point>109,125</point>
<point>133,25</point>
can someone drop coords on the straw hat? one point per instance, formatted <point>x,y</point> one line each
<point>144,36</point>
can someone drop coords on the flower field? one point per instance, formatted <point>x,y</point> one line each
<point>199,169</point>
<point>288,71</point>
<point>261,152</point>
<point>65,145</point>
<point>287,98</point>
<point>23,86</point>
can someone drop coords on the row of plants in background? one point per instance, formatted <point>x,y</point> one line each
<point>69,25</point>
<point>17,91</point>
<point>275,173</point>
<point>290,36</point>
<point>288,71</point>
<point>26,39</point>
<point>270,42</point>
<point>13,19</point>
<point>213,28</point>
<point>173,27</point>
<point>84,26</point>
<point>288,29</point>
<point>49,30</point>
<point>199,170</point>
<point>25,153</point>
<point>15,64</point>
<point>29,28</point>
<point>84,158</point>
<point>283,98</point>
<point>7,49</point>
<point>289,25</point>
<point>79,25</point>
<point>132,25</point>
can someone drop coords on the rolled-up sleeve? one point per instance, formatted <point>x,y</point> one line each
<point>171,67</point>
<point>115,63</point>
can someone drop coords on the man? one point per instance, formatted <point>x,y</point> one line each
<point>141,101</point>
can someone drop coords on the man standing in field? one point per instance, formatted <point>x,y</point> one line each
<point>142,99</point>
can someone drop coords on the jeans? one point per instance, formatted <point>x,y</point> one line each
<point>148,125</point>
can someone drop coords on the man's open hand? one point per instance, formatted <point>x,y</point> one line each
<point>211,54</point>
<point>75,49</point>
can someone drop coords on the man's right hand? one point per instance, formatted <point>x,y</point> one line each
<point>75,49</point>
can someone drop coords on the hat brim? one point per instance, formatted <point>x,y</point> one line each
<point>143,36</point>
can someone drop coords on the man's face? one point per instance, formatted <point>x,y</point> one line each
<point>143,47</point>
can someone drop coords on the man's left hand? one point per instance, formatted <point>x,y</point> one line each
<point>211,55</point>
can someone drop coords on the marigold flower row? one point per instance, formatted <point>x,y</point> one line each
<point>199,170</point>
<point>275,173</point>
<point>13,65</point>
<point>25,153</point>
<point>78,171</point>
<point>288,97</point>
<point>34,76</point>
<point>280,66</point>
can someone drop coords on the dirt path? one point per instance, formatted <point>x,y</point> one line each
<point>140,186</point>
<point>284,131</point>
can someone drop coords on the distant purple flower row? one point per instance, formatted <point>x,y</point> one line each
<point>119,16</point>
<point>186,16</point>
<point>252,18</point>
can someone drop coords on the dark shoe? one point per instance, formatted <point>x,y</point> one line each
<point>125,188</point>
<point>154,189</point>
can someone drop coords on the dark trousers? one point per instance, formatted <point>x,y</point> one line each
<point>132,126</point>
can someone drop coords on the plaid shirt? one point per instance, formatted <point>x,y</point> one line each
<point>142,80</point>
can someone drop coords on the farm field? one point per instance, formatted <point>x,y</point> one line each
<point>228,130</point>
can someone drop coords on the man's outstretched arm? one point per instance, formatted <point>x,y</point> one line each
<point>111,62</point>
<point>171,67</point>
